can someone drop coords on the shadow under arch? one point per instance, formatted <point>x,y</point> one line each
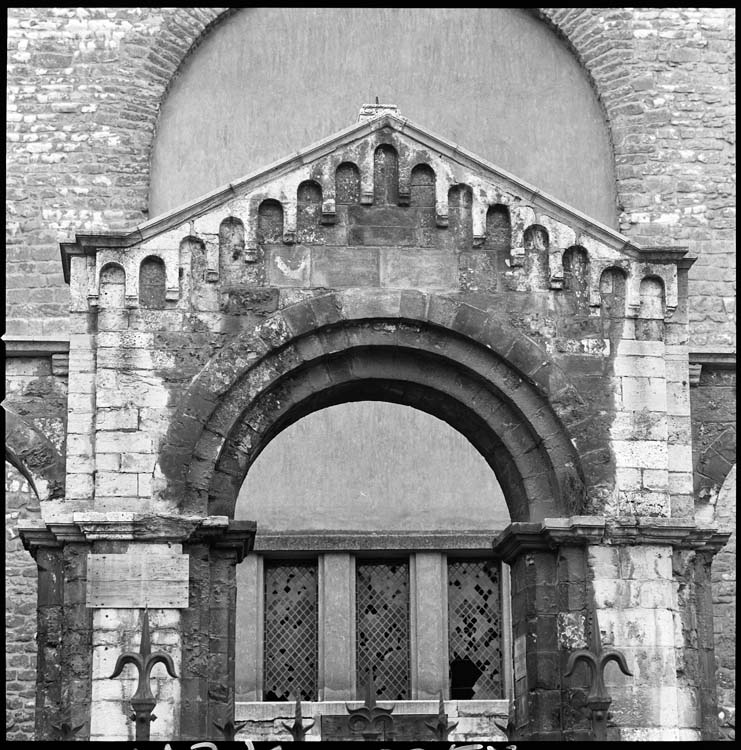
<point>449,359</point>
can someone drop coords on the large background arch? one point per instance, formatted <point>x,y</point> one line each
<point>285,60</point>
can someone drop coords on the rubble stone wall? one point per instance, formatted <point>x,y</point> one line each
<point>20,610</point>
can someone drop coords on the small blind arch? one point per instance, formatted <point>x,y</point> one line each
<point>152,282</point>
<point>347,183</point>
<point>650,322</point>
<point>270,221</point>
<point>112,286</point>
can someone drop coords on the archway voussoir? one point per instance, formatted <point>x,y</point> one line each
<point>309,348</point>
<point>200,404</point>
<point>498,335</point>
<point>442,311</point>
<point>413,304</point>
<point>234,462</point>
<point>526,357</point>
<point>372,334</point>
<point>209,445</point>
<point>541,375</point>
<point>200,473</point>
<point>470,321</point>
<point>299,318</point>
<point>328,309</point>
<point>333,340</point>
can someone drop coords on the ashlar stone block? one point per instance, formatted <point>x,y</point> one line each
<point>645,454</point>
<point>117,419</point>
<point>647,562</point>
<point>112,483</point>
<point>644,393</point>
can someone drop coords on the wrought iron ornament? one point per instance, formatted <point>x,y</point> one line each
<point>66,731</point>
<point>298,730</point>
<point>230,729</point>
<point>370,720</point>
<point>143,702</point>
<point>598,700</point>
<point>440,728</point>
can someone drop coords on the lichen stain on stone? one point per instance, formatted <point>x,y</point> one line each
<point>571,628</point>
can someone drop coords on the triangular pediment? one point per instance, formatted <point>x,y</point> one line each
<point>356,143</point>
<point>449,168</point>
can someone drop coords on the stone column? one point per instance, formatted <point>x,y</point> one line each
<point>209,626</point>
<point>646,605</point>
<point>703,596</point>
<point>77,643</point>
<point>221,637</point>
<point>195,630</point>
<point>64,632</point>
<point>97,572</point>
<point>549,619</point>
<point>49,638</point>
<point>637,585</point>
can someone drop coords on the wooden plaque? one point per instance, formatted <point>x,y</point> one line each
<point>134,581</point>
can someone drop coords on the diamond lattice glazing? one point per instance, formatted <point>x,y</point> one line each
<point>382,609</point>
<point>474,629</point>
<point>291,632</point>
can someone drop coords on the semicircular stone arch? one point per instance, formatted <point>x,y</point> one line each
<point>454,361</point>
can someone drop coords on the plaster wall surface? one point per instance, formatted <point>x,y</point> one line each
<point>351,467</point>
<point>471,72</point>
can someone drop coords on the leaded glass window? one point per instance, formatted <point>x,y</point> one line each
<point>474,629</point>
<point>291,631</point>
<point>382,621</point>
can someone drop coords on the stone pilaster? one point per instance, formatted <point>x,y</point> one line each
<point>549,620</point>
<point>612,584</point>
<point>96,573</point>
<point>209,625</point>
<point>64,628</point>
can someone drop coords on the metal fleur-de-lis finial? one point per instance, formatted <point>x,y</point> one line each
<point>230,729</point>
<point>440,728</point>
<point>598,700</point>
<point>143,702</point>
<point>298,730</point>
<point>371,720</point>
<point>66,731</point>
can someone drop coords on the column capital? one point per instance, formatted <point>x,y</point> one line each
<point>37,535</point>
<point>226,534</point>
<point>217,531</point>
<point>681,533</point>
<point>139,527</point>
